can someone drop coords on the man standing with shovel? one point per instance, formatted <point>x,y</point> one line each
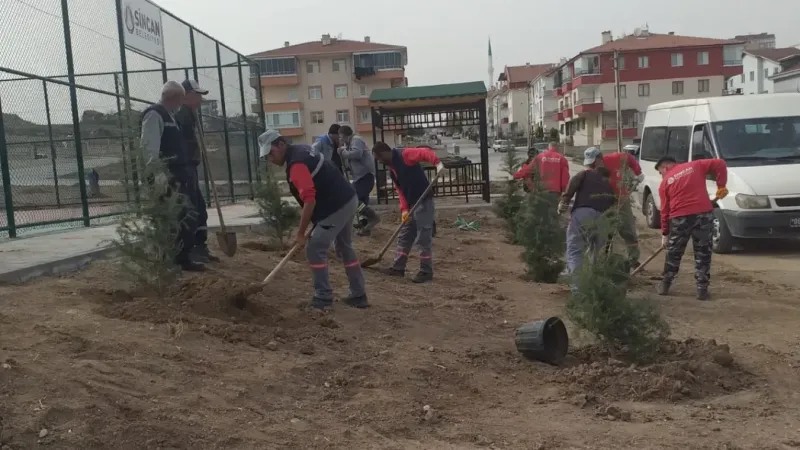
<point>186,119</point>
<point>362,165</point>
<point>329,203</point>
<point>411,183</point>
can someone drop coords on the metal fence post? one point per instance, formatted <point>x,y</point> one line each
<point>262,119</point>
<point>164,75</point>
<point>9,203</point>
<point>225,123</point>
<point>244,119</point>
<point>52,145</point>
<point>76,124</point>
<point>199,113</point>
<point>123,60</point>
<point>122,139</point>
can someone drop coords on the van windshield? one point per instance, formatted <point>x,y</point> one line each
<point>759,141</point>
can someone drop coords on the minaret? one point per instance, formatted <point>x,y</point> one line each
<point>491,67</point>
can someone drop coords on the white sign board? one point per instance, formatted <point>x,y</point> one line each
<point>142,28</point>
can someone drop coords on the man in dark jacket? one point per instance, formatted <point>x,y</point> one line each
<point>161,139</point>
<point>328,145</point>
<point>329,203</point>
<point>186,118</point>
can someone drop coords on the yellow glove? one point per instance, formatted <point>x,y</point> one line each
<point>722,193</point>
<point>405,217</point>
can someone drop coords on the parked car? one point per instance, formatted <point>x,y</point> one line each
<point>457,136</point>
<point>633,149</point>
<point>537,148</point>
<point>501,145</point>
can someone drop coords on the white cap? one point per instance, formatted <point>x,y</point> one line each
<point>193,86</point>
<point>265,141</point>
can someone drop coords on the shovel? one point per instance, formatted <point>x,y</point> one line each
<point>372,261</point>
<point>225,239</point>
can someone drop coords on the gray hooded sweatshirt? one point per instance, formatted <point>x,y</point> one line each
<point>360,158</point>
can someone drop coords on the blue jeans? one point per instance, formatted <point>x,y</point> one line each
<point>580,235</point>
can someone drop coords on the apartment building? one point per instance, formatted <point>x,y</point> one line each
<point>497,111</point>
<point>654,68</point>
<point>788,77</point>
<point>510,100</point>
<point>307,87</point>
<point>544,106</point>
<point>759,66</point>
<point>756,41</point>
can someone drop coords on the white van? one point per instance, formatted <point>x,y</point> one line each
<point>758,136</point>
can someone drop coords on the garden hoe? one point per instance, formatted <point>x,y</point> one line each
<point>225,239</point>
<point>372,261</point>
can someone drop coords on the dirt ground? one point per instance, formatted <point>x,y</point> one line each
<point>88,363</point>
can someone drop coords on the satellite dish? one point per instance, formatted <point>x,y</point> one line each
<point>339,37</point>
<point>637,31</point>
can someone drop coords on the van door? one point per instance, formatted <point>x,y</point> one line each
<point>703,148</point>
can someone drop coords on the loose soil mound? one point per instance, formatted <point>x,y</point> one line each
<point>690,369</point>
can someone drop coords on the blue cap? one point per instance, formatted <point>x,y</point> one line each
<point>590,155</point>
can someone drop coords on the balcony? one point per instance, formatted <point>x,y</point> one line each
<point>588,106</point>
<point>361,101</point>
<point>282,106</point>
<point>567,113</point>
<point>628,131</point>
<point>738,91</point>
<point>567,85</point>
<point>559,116</point>
<point>587,76</point>
<point>559,91</point>
<point>276,80</point>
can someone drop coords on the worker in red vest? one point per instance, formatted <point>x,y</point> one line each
<point>552,169</point>
<point>687,213</point>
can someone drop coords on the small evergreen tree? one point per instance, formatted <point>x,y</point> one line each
<point>279,215</point>
<point>508,206</point>
<point>554,136</point>
<point>147,234</point>
<point>538,230</point>
<point>539,133</point>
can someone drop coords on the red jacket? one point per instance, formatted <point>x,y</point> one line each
<point>683,190</point>
<point>553,168</point>
<point>616,163</point>
<point>413,156</point>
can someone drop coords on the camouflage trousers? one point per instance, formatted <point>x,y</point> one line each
<point>698,229</point>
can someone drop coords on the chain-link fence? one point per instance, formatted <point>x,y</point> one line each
<point>75,76</point>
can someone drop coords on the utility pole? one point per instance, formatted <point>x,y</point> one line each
<point>618,100</point>
<point>530,110</point>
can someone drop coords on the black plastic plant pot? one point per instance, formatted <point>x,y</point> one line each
<point>544,340</point>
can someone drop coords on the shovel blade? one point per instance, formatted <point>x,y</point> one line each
<point>227,242</point>
<point>370,262</point>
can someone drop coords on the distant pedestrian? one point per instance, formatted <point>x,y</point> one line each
<point>355,152</point>
<point>688,214</point>
<point>328,144</point>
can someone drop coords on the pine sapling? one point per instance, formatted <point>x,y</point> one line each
<point>279,215</point>
<point>539,231</point>
<point>147,235</point>
<point>508,206</point>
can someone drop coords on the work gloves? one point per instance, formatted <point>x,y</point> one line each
<point>637,180</point>
<point>664,241</point>
<point>405,217</point>
<point>722,193</point>
<point>562,207</point>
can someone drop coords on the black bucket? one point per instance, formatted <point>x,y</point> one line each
<point>544,340</point>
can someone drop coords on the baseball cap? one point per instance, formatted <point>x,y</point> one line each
<point>590,155</point>
<point>265,141</point>
<point>193,86</point>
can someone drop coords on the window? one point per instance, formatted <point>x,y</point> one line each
<point>275,67</point>
<point>703,86</point>
<point>644,62</point>
<point>312,66</point>
<point>623,91</point>
<point>340,91</point>
<point>774,70</point>
<point>342,116</point>
<point>742,77</point>
<point>701,144</point>
<point>339,65</point>
<point>292,95</point>
<point>677,60</point>
<point>317,117</point>
<point>766,73</point>
<point>621,62</point>
<point>315,92</point>
<point>677,88</point>
<point>364,115</point>
<point>654,143</point>
<point>377,61</point>
<point>644,90</point>
<point>702,58</point>
<point>752,75</point>
<point>678,143</point>
<point>283,119</point>
<point>362,90</point>
<point>767,139</point>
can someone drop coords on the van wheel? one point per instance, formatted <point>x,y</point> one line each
<point>651,214</point>
<point>722,241</point>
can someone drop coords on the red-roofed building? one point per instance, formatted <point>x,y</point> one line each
<point>510,103</point>
<point>654,68</point>
<point>759,68</point>
<point>307,87</point>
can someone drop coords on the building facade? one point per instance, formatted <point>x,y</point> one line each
<point>756,41</point>
<point>653,68</point>
<point>309,86</point>
<point>758,69</point>
<point>544,106</point>
<point>788,78</point>
<point>512,99</point>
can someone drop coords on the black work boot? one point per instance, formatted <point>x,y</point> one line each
<point>702,293</point>
<point>191,266</point>
<point>203,254</point>
<point>663,286</point>
<point>321,303</point>
<point>356,302</point>
<point>422,277</point>
<point>392,272</point>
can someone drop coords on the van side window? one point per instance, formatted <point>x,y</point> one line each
<point>678,143</point>
<point>701,144</point>
<point>654,143</point>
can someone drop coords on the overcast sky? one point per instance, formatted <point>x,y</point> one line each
<point>447,40</point>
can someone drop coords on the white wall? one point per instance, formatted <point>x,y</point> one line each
<point>789,84</point>
<point>760,84</point>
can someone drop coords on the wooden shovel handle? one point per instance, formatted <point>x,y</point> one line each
<point>201,141</point>
<point>285,259</point>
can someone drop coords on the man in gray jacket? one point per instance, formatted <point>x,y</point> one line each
<point>362,166</point>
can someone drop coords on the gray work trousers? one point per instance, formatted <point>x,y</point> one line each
<point>582,235</point>
<point>420,229</point>
<point>337,229</point>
